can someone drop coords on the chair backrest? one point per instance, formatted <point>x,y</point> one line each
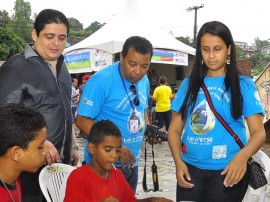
<point>260,157</point>
<point>52,181</point>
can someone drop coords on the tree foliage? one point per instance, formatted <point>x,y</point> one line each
<point>77,33</point>
<point>21,22</point>
<point>75,36</point>
<point>10,44</point>
<point>75,24</point>
<point>94,26</point>
<point>260,45</point>
<point>4,19</point>
<point>186,40</point>
<point>240,54</point>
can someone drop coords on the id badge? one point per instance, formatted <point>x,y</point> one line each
<point>134,124</point>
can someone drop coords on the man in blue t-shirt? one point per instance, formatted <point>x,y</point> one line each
<point>119,93</point>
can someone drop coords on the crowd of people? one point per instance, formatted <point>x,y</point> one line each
<point>40,105</point>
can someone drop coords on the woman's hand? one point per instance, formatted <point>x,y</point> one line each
<point>235,170</point>
<point>182,175</point>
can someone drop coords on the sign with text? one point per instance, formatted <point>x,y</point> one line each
<point>87,60</point>
<point>170,57</point>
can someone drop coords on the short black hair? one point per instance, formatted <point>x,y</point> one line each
<point>139,44</point>
<point>101,129</point>
<point>19,125</point>
<point>162,79</point>
<point>48,16</point>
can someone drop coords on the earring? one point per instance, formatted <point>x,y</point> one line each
<point>228,60</point>
<point>202,62</point>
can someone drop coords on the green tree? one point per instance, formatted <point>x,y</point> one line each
<point>260,45</point>
<point>77,36</point>
<point>10,44</point>
<point>95,26</point>
<point>77,33</point>
<point>4,18</point>
<point>21,23</point>
<point>75,24</point>
<point>240,53</point>
<point>186,40</point>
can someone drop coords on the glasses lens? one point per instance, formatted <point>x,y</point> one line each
<point>132,88</point>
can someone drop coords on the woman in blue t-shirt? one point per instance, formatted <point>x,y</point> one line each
<point>210,165</point>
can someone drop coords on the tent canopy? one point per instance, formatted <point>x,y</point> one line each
<point>130,22</point>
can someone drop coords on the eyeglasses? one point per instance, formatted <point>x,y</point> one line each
<point>136,100</point>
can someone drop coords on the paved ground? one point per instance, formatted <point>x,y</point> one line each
<point>166,172</point>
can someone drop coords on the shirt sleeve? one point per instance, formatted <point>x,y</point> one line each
<point>92,99</point>
<point>252,103</point>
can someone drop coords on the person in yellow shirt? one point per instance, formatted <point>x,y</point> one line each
<point>162,96</point>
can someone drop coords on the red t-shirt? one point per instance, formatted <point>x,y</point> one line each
<point>85,185</point>
<point>13,189</point>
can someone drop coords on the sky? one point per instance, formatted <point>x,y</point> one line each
<point>246,19</point>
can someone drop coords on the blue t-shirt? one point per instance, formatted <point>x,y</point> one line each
<point>206,144</point>
<point>108,97</point>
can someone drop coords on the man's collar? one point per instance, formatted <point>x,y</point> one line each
<point>29,51</point>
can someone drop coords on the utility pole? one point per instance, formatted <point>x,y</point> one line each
<point>189,9</point>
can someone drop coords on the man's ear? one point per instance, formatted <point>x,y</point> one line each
<point>14,153</point>
<point>91,148</point>
<point>34,35</point>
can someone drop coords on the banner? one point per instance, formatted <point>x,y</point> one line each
<point>87,60</point>
<point>170,57</point>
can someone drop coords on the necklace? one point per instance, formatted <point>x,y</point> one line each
<point>9,191</point>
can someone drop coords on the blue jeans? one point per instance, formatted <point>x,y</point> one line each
<point>209,187</point>
<point>131,176</point>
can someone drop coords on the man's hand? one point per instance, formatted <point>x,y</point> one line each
<point>52,155</point>
<point>75,156</point>
<point>126,158</point>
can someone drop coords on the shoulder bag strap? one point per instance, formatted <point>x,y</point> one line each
<point>221,120</point>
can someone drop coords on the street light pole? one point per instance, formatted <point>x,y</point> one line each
<point>189,9</point>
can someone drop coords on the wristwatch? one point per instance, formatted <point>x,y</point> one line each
<point>76,147</point>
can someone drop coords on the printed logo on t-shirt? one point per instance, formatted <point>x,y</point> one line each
<point>87,102</point>
<point>257,96</point>
<point>219,152</point>
<point>202,119</point>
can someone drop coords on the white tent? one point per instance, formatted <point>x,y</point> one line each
<point>112,36</point>
<point>133,20</point>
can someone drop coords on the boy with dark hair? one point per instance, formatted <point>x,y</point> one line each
<point>22,136</point>
<point>100,180</point>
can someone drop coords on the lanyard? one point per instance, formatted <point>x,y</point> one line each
<point>131,103</point>
<point>154,172</point>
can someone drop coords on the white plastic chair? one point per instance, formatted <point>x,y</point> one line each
<point>260,157</point>
<point>52,181</point>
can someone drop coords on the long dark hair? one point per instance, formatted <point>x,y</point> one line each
<point>199,71</point>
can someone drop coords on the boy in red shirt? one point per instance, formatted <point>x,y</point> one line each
<point>22,136</point>
<point>99,180</point>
